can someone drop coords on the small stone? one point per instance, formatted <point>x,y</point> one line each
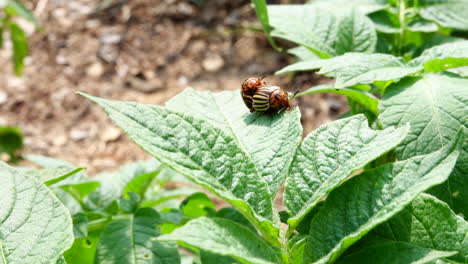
<point>110,134</point>
<point>3,97</point>
<point>78,134</point>
<point>95,70</point>
<point>110,38</point>
<point>213,63</point>
<point>59,140</point>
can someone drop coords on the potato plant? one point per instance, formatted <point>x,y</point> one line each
<point>387,184</point>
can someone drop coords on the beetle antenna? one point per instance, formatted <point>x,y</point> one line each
<point>294,95</point>
<point>263,77</point>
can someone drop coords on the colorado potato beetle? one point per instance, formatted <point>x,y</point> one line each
<point>270,98</point>
<point>249,87</point>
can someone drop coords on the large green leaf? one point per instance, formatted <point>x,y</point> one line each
<point>328,156</point>
<point>227,238</point>
<point>428,223</point>
<point>356,33</point>
<point>200,151</point>
<point>364,98</point>
<point>448,13</point>
<point>355,68</point>
<point>34,226</point>
<point>321,31</point>
<point>436,106</point>
<point>394,252</point>
<point>305,25</point>
<point>132,240</point>
<point>270,140</point>
<point>442,57</point>
<point>372,197</point>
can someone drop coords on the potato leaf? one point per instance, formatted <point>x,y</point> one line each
<point>225,237</point>
<point>429,223</point>
<point>200,151</point>
<point>394,252</point>
<point>328,156</point>
<point>371,198</point>
<point>132,240</point>
<point>357,68</point>
<point>270,140</point>
<point>436,107</point>
<point>35,227</point>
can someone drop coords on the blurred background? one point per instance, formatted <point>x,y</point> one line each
<point>134,50</point>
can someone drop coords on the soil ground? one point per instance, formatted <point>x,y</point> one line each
<point>139,50</point>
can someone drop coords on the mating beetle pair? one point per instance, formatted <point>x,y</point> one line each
<point>260,97</point>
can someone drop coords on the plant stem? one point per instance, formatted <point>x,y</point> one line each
<point>402,18</point>
<point>284,246</point>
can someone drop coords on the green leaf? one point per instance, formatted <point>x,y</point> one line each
<point>453,191</point>
<point>132,240</point>
<point>269,140</point>
<point>197,205</point>
<point>80,225</point>
<point>130,204</point>
<point>442,57</point>
<point>262,14</point>
<point>322,32</point>
<point>448,13</point>
<point>436,107</point>
<point>303,53</point>
<point>394,252</point>
<point>210,258</point>
<point>427,222</point>
<point>11,140</point>
<point>364,98</point>
<point>204,153</point>
<point>371,198</point>
<point>165,195</point>
<point>342,7</point>
<point>356,33</point>
<point>83,250</point>
<point>140,184</point>
<point>20,47</point>
<point>419,24</point>
<point>113,184</point>
<point>232,214</point>
<point>34,226</point>
<point>224,237</point>
<point>386,22</point>
<point>305,25</point>
<point>15,7</point>
<point>328,156</point>
<point>55,178</point>
<point>80,190</point>
<point>355,68</point>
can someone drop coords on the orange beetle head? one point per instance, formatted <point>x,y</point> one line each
<point>279,99</point>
